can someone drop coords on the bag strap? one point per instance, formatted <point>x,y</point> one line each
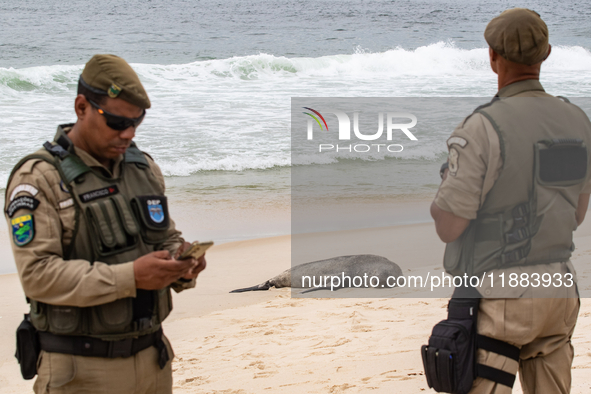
<point>498,347</point>
<point>495,375</point>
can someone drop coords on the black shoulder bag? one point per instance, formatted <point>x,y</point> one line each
<point>450,357</point>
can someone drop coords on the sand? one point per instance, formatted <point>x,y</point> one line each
<point>268,341</point>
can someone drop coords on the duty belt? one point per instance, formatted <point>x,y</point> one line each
<point>94,347</point>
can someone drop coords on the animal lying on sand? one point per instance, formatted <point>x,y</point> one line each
<point>323,274</point>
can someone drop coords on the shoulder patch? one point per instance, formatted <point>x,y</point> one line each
<point>63,187</point>
<point>24,187</point>
<point>453,158</point>
<point>66,203</point>
<point>22,202</point>
<point>23,229</point>
<point>457,140</point>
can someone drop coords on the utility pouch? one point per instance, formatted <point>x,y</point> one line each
<point>152,213</point>
<point>112,226</point>
<point>450,357</point>
<point>112,318</point>
<point>27,348</point>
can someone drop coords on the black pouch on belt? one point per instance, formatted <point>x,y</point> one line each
<point>27,348</point>
<point>450,357</point>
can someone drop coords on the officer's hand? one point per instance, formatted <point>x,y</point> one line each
<point>198,265</point>
<point>156,270</point>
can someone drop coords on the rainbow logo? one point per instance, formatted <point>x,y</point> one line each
<point>315,118</point>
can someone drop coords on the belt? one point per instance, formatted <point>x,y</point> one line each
<point>95,347</point>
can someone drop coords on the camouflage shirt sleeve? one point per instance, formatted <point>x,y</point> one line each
<point>474,165</point>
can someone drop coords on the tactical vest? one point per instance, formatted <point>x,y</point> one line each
<point>528,216</point>
<point>116,221</point>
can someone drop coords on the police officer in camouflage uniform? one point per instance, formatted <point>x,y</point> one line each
<point>93,244</point>
<point>517,187</point>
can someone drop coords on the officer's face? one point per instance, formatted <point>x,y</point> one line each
<point>103,142</point>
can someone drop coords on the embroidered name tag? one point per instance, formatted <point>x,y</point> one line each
<point>99,193</point>
<point>22,202</point>
<point>66,203</point>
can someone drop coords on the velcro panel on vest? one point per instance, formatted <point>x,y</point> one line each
<point>134,155</point>
<point>561,162</point>
<point>72,167</point>
<point>125,214</point>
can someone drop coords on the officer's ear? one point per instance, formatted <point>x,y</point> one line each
<point>493,57</point>
<point>549,50</point>
<point>81,107</point>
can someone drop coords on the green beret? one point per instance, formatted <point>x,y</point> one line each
<point>110,75</point>
<point>518,35</point>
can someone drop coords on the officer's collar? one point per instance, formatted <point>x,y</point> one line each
<point>520,87</point>
<point>61,137</point>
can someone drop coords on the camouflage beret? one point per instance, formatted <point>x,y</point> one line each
<point>111,75</point>
<point>518,35</point>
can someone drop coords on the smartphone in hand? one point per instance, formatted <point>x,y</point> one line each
<point>196,250</point>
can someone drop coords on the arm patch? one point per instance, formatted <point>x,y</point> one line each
<point>24,187</point>
<point>457,140</point>
<point>22,202</point>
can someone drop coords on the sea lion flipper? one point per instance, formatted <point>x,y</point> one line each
<point>262,286</point>
<point>314,289</point>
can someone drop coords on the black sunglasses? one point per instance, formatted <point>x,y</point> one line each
<point>117,122</point>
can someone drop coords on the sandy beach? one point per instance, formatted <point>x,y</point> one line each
<point>268,341</point>
<point>274,186</point>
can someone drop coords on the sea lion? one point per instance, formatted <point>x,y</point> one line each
<point>319,274</point>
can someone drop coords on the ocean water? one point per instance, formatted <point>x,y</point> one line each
<point>221,76</point>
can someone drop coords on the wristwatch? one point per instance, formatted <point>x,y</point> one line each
<point>444,166</point>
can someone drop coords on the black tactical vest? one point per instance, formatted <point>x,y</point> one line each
<point>117,220</point>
